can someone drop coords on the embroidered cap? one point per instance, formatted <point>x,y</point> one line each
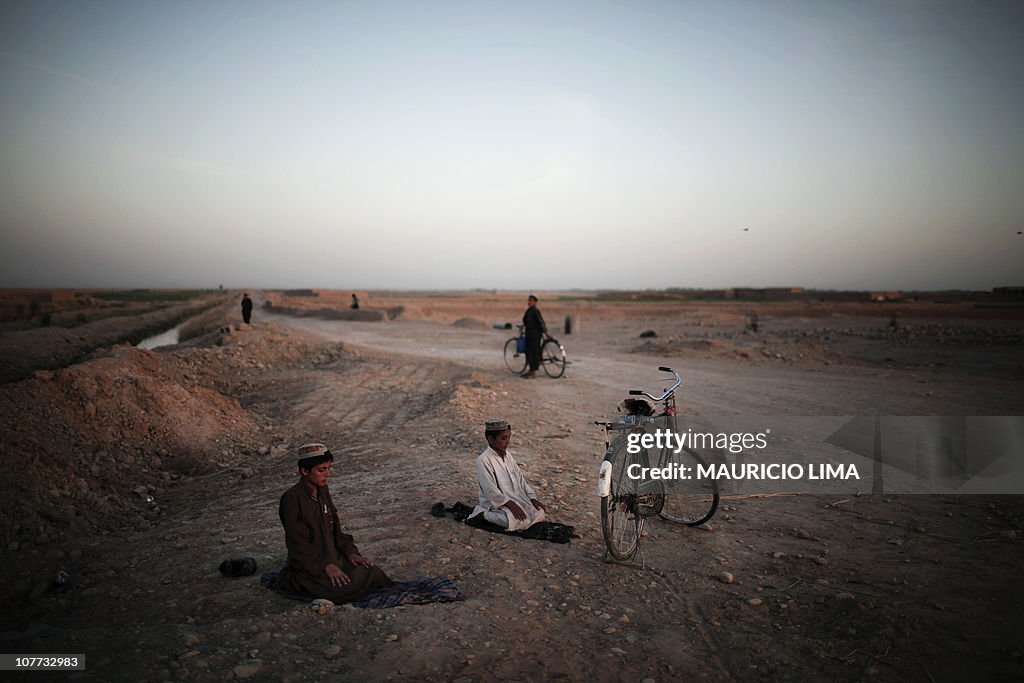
<point>496,425</point>
<point>312,454</point>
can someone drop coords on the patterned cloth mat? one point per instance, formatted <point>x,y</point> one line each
<point>555,532</point>
<point>416,592</point>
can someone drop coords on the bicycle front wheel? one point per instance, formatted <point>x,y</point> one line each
<point>621,521</point>
<point>516,362</point>
<point>552,357</point>
<point>691,502</point>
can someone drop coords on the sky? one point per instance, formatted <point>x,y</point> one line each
<point>862,144</point>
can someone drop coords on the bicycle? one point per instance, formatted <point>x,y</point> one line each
<point>627,501</point>
<point>552,355</point>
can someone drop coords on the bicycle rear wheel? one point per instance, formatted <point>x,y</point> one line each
<point>621,521</point>
<point>691,502</point>
<point>552,357</point>
<point>516,362</point>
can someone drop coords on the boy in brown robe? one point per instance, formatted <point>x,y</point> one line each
<point>323,561</point>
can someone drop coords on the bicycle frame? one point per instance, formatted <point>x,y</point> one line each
<point>632,422</point>
<point>627,500</point>
<point>552,355</point>
<point>515,359</point>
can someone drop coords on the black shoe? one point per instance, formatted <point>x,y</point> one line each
<point>240,567</point>
<point>437,510</point>
<point>460,511</point>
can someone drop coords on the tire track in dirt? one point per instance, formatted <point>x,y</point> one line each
<point>364,410</point>
<point>378,396</point>
<point>346,407</point>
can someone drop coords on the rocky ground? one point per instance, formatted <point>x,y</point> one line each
<point>140,471</point>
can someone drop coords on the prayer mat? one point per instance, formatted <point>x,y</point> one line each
<point>550,531</point>
<point>542,531</point>
<point>269,580</point>
<point>418,592</point>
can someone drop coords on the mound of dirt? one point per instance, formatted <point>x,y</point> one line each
<point>93,445</point>
<point>677,345</point>
<point>472,323</point>
<point>84,445</point>
<point>360,314</point>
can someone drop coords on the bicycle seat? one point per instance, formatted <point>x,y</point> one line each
<point>637,406</point>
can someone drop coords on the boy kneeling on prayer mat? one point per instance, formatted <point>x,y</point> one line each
<point>323,561</point>
<point>506,499</point>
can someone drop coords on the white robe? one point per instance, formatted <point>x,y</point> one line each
<point>500,480</point>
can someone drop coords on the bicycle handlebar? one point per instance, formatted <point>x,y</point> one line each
<point>668,392</point>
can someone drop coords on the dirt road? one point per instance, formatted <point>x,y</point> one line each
<point>880,587</point>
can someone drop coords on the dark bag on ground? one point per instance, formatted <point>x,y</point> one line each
<point>239,567</point>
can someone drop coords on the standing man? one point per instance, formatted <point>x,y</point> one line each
<point>535,331</point>
<point>505,497</point>
<point>246,308</point>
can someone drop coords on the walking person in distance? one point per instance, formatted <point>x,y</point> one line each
<point>246,308</point>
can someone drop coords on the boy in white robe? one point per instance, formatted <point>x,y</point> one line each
<point>506,499</point>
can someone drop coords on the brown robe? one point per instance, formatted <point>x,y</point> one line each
<point>315,539</point>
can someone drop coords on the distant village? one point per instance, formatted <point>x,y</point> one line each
<point>995,295</point>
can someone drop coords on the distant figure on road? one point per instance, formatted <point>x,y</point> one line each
<point>752,321</point>
<point>355,301</point>
<point>246,308</point>
<point>535,331</point>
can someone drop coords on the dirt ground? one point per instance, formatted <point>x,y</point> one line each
<point>140,471</point>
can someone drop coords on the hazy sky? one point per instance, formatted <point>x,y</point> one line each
<point>522,145</point>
